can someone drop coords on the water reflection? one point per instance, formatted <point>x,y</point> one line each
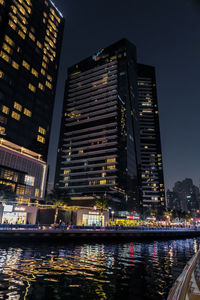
<point>93,271</point>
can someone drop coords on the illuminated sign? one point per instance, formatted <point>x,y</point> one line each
<point>8,208</point>
<point>94,57</point>
<point>20,209</point>
<point>93,213</point>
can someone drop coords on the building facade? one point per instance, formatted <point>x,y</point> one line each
<point>152,181</point>
<point>30,43</point>
<point>23,171</point>
<point>99,152</point>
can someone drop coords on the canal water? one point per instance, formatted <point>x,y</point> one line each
<point>132,270</point>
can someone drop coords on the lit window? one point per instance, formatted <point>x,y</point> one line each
<point>2,130</point>
<point>4,56</point>
<point>12,25</point>
<point>31,88</point>
<point>15,65</point>
<point>42,130</point>
<point>39,45</point>
<point>41,139</point>
<point>44,65</point>
<point>15,116</point>
<point>1,74</point>
<point>111,167</point>
<point>103,181</point>
<point>109,160</point>
<point>5,109</point>
<point>25,65</point>
<point>43,72</point>
<point>34,72</point>
<point>21,34</point>
<point>66,171</point>
<point>37,192</point>
<point>45,58</point>
<point>40,85</point>
<point>27,112</point>
<point>17,106</point>
<point>49,85</point>
<point>6,48</point>
<point>2,2</point>
<point>32,37</point>
<point>49,78</point>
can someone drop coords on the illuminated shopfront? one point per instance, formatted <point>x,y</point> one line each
<point>88,217</point>
<point>19,214</point>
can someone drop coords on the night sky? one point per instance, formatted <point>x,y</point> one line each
<point>167,36</point>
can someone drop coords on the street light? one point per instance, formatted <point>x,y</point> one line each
<point>112,212</point>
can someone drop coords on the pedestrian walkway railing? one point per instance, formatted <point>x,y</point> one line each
<point>187,285</point>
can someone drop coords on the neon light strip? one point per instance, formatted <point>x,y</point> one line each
<point>56,8</point>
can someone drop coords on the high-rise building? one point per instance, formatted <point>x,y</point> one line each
<point>152,182</point>
<point>99,152</point>
<point>30,44</point>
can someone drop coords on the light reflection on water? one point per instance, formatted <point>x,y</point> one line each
<point>93,271</point>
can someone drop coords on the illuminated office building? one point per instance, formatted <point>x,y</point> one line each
<point>98,155</point>
<point>30,42</point>
<point>104,149</point>
<point>152,183</point>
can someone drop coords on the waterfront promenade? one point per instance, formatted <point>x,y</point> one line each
<point>66,233</point>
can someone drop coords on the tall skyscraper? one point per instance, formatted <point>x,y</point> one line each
<point>30,44</point>
<point>152,182</point>
<point>99,151</point>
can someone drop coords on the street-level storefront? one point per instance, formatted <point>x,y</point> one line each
<point>13,214</point>
<point>90,217</point>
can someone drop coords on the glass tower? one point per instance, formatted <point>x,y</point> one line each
<point>30,42</point>
<point>110,138</point>
<point>152,182</point>
<point>98,153</point>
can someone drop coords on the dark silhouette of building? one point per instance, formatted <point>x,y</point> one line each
<point>185,197</point>
<point>99,151</point>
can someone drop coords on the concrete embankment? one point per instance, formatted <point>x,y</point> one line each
<point>96,235</point>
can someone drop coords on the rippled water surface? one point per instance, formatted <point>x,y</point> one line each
<point>93,271</point>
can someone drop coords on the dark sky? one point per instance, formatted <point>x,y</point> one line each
<point>167,36</point>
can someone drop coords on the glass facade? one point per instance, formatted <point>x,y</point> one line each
<point>99,146</point>
<point>30,43</point>
<point>152,183</point>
